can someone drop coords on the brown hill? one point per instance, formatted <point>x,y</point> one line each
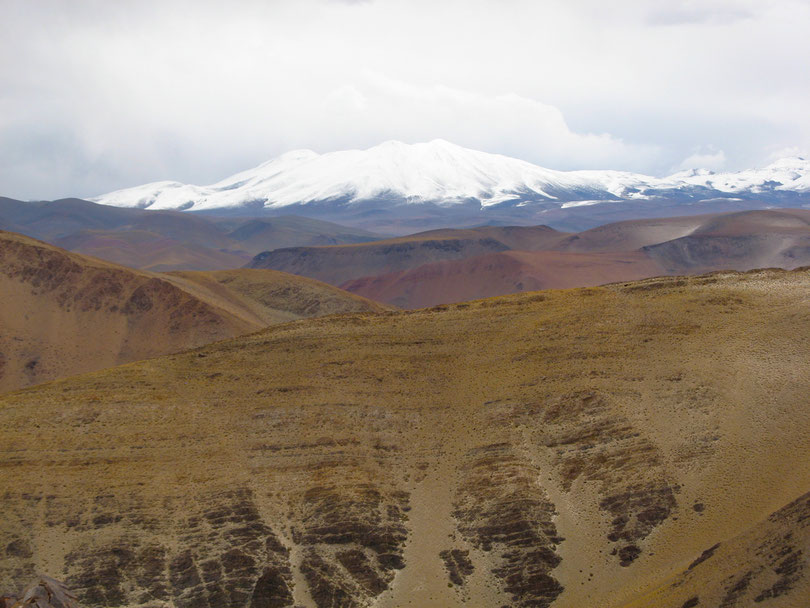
<point>562,448</point>
<point>64,313</point>
<point>740,241</point>
<point>340,264</point>
<point>499,274</point>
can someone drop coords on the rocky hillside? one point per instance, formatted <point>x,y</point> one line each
<point>641,444</point>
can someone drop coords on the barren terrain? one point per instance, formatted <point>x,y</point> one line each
<point>639,444</point>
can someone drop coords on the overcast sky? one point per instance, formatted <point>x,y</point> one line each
<point>99,95</point>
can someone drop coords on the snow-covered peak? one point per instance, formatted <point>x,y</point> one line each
<point>785,174</point>
<point>443,173</point>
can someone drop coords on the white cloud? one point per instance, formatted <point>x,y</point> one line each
<point>345,98</point>
<point>708,158</point>
<point>776,153</point>
<point>705,12</point>
<point>101,95</point>
<point>504,123</point>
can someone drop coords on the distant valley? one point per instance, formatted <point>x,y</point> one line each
<point>425,268</point>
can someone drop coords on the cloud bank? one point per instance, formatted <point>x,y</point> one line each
<point>97,95</point>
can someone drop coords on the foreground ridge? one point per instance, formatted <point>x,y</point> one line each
<point>551,449</point>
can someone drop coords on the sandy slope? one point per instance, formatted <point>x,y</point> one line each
<point>565,448</point>
<point>267,297</point>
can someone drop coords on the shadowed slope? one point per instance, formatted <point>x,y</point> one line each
<point>290,231</point>
<point>562,448</point>
<point>632,234</point>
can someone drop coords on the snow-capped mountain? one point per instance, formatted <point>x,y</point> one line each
<point>445,174</point>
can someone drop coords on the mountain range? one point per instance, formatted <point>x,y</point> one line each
<point>408,181</point>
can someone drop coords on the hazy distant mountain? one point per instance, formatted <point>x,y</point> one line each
<point>443,174</point>
<point>166,240</point>
<point>443,266</point>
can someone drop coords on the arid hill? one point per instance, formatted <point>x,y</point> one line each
<point>343,263</point>
<point>446,266</point>
<point>740,241</point>
<point>641,444</point>
<point>501,273</point>
<point>64,313</point>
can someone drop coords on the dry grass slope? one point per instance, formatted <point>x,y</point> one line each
<point>561,448</point>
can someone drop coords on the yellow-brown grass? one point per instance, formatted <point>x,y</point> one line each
<point>577,448</point>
